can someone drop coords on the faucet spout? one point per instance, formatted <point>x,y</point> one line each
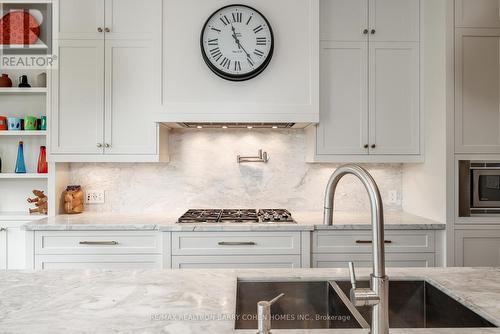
<point>378,296</point>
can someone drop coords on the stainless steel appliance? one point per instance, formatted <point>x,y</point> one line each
<point>479,188</point>
<point>214,216</point>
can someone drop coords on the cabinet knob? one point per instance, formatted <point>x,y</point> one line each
<point>107,29</point>
<point>373,31</point>
<point>373,146</point>
<point>99,29</point>
<point>107,145</point>
<point>366,146</point>
<point>99,145</point>
<point>3,229</point>
<point>365,32</point>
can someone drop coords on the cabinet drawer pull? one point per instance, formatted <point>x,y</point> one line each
<point>111,243</point>
<point>240,243</point>
<point>369,241</point>
<point>3,229</point>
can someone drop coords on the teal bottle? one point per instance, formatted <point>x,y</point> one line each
<point>20,165</point>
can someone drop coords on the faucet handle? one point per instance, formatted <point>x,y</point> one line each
<point>275,299</point>
<point>352,273</point>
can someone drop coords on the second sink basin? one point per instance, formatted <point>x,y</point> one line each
<point>419,304</point>
<point>316,305</point>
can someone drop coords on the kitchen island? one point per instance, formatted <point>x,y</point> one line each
<point>194,301</point>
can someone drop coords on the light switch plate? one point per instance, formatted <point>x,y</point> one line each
<point>393,197</point>
<point>94,197</point>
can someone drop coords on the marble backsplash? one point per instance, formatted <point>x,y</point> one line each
<point>203,173</point>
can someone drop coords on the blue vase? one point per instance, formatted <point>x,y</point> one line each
<point>20,165</point>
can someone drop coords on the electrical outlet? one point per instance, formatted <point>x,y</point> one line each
<point>94,197</point>
<point>393,197</point>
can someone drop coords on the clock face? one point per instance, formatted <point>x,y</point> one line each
<point>237,42</point>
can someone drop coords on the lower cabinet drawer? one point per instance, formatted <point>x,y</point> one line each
<point>365,260</point>
<point>235,243</point>
<point>97,242</point>
<point>98,261</point>
<point>235,262</point>
<point>360,241</point>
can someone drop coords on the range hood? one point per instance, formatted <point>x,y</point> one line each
<point>240,120</point>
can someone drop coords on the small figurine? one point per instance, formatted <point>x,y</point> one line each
<point>40,202</point>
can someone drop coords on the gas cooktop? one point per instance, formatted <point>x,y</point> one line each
<point>214,216</point>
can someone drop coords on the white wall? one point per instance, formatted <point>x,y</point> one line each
<point>288,86</point>
<point>424,185</point>
<point>203,173</point>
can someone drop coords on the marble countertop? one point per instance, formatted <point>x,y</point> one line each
<point>306,221</point>
<point>188,301</point>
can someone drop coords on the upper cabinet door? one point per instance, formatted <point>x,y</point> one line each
<point>477,13</point>
<point>133,88</point>
<point>81,19</point>
<point>477,91</point>
<point>394,98</point>
<point>343,127</point>
<point>78,98</point>
<point>133,19</point>
<point>394,20</point>
<point>343,20</point>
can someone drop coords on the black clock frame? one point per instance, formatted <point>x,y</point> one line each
<point>236,77</point>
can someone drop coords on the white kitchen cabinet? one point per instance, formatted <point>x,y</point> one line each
<point>236,262</point>
<point>265,249</point>
<point>343,81</point>
<point>404,248</point>
<point>477,13</point>
<point>12,245</point>
<point>394,95</point>
<point>394,20</point>
<point>370,83</point>
<point>477,91</point>
<point>132,92</point>
<point>78,98</point>
<point>109,262</point>
<point>107,86</point>
<point>80,19</point>
<point>99,249</point>
<point>348,25</point>
<point>477,248</point>
<point>404,260</point>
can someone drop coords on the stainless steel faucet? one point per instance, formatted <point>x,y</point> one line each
<point>378,295</point>
<point>264,314</point>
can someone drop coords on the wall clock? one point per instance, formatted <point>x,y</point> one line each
<point>237,42</point>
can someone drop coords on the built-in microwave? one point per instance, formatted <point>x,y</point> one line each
<point>479,188</point>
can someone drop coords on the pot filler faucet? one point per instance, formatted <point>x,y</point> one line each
<point>378,295</point>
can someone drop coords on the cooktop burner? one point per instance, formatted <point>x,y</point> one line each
<point>213,216</point>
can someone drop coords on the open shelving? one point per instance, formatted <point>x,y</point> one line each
<point>23,176</point>
<point>17,90</point>
<point>23,133</point>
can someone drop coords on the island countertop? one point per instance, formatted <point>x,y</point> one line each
<point>188,301</point>
<point>306,221</point>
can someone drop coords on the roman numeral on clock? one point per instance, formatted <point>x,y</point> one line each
<point>215,29</point>
<point>225,20</point>
<point>257,29</point>
<point>258,53</point>
<point>261,41</point>
<point>214,41</point>
<point>237,65</point>
<point>237,17</point>
<point>226,63</point>
<point>216,53</point>
<point>249,19</point>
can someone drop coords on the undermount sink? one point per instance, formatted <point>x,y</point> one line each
<point>419,304</point>
<point>316,305</point>
<point>305,305</point>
